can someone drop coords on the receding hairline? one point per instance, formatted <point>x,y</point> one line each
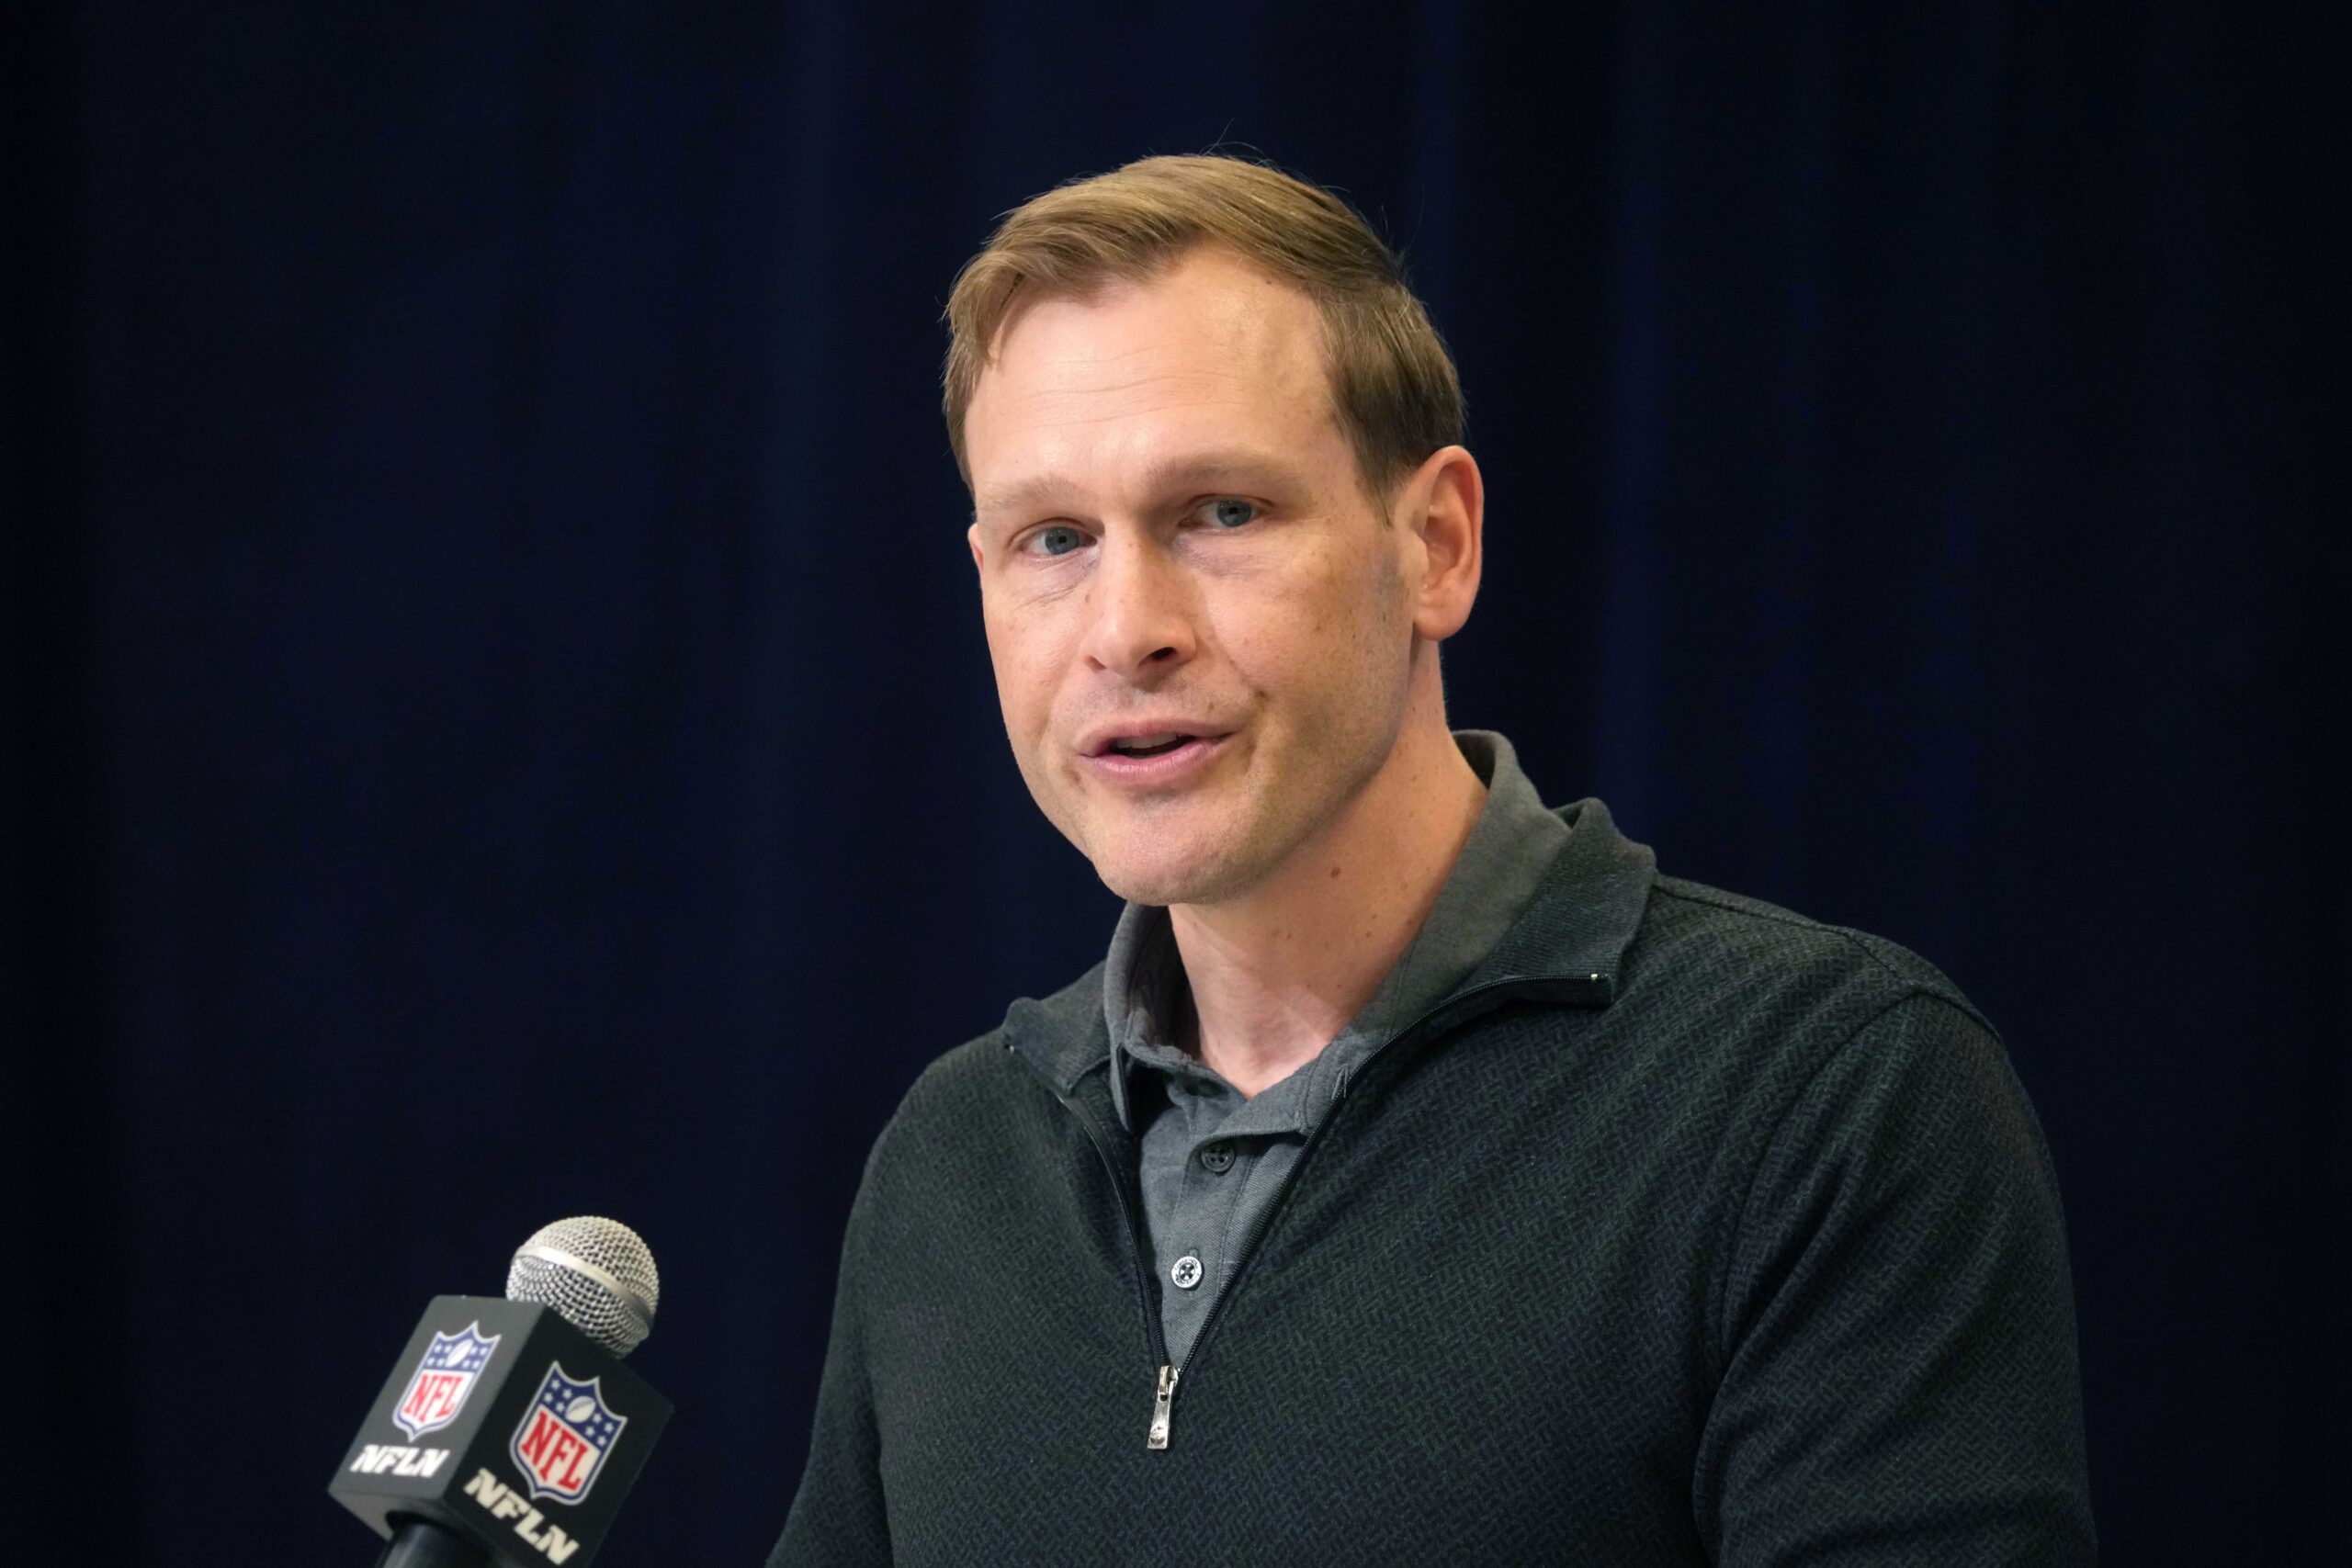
<point>1098,289</point>
<point>1091,289</point>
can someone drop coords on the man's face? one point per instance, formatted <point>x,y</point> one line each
<point>1198,618</point>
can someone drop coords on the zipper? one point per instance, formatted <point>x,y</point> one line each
<point>1163,1400</point>
<point>1161,1403</point>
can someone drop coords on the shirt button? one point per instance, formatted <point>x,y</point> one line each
<point>1185,1272</point>
<point>1217,1158</point>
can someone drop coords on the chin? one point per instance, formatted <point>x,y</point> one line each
<point>1156,884</point>
<point>1206,853</point>
<point>1164,878</point>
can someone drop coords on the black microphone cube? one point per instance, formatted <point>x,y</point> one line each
<point>506,1425</point>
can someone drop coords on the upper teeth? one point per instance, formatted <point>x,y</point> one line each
<point>1143,742</point>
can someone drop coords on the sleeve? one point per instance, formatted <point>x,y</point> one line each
<point>1896,1323</point>
<point>837,1517</point>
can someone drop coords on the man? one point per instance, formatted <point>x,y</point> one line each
<point>1422,1178</point>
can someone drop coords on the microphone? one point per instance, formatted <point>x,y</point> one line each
<point>509,1431</point>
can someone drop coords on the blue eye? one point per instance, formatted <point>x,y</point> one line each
<point>1233,513</point>
<point>1057,540</point>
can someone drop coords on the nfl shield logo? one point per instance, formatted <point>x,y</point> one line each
<point>565,1436</point>
<point>451,1365</point>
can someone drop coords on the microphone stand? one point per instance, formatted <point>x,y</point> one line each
<point>418,1543</point>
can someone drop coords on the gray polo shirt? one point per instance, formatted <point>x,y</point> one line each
<point>1212,1160</point>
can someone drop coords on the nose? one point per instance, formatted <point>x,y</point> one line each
<point>1141,614</point>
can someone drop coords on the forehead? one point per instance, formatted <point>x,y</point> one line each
<point>1210,352</point>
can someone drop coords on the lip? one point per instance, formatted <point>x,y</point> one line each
<point>1096,741</point>
<point>1180,766</point>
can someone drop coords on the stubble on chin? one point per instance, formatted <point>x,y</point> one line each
<point>1165,880</point>
<point>1161,863</point>
<point>1198,862</point>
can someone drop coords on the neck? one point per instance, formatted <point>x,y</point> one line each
<point>1276,973</point>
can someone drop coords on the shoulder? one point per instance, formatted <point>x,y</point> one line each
<point>1703,948</point>
<point>1754,1011</point>
<point>970,1100</point>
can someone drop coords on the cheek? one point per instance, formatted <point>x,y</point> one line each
<point>1325,621</point>
<point>1023,654</point>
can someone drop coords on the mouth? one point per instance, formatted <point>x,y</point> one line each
<point>1147,745</point>
<point>1166,758</point>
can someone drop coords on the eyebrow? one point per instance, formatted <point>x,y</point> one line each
<point>1196,471</point>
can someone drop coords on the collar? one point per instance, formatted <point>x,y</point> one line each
<point>1568,945</point>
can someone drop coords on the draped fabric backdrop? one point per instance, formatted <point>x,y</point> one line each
<point>496,723</point>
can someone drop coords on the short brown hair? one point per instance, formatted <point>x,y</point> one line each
<point>1393,385</point>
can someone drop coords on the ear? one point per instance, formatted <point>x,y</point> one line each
<point>972,537</point>
<point>1444,507</point>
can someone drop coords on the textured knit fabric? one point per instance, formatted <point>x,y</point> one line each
<point>1212,1162</point>
<point>1686,1231</point>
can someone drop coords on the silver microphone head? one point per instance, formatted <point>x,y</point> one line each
<point>597,1274</point>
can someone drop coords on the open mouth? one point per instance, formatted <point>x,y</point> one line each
<point>1148,745</point>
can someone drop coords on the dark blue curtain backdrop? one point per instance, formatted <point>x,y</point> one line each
<point>497,725</point>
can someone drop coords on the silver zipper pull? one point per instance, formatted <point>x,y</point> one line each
<point>1160,1403</point>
